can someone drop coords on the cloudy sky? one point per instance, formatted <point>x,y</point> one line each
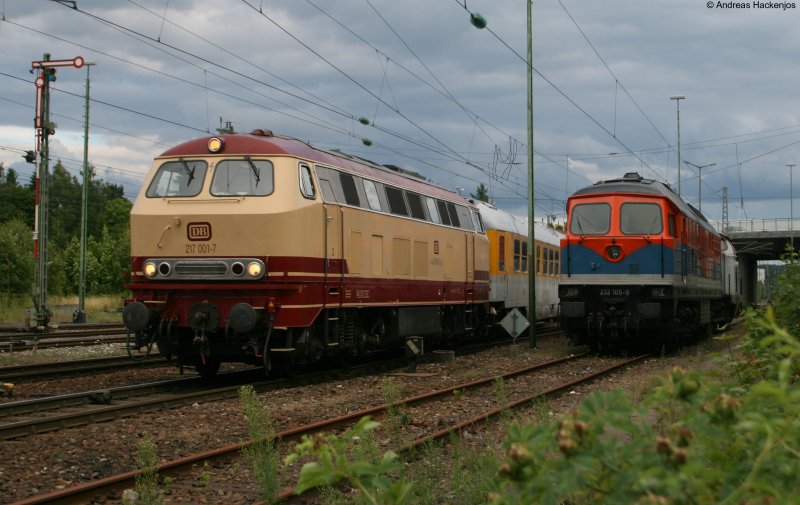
<point>442,97</point>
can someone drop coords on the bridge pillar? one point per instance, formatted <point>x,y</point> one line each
<point>748,278</point>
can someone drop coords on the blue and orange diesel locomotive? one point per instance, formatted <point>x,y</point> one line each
<point>642,268</point>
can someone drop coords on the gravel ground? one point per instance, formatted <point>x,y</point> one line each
<point>49,461</point>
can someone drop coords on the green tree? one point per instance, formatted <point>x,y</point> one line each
<point>16,257</point>
<point>482,193</point>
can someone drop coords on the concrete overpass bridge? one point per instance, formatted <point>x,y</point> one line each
<point>758,240</point>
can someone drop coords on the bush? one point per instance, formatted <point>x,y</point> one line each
<point>693,440</point>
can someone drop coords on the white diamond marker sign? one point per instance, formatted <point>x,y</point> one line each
<point>514,323</point>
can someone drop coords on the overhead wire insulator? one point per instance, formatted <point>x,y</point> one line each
<point>363,120</point>
<point>477,20</point>
<point>366,142</point>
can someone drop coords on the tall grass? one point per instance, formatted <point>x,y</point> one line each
<point>18,309</point>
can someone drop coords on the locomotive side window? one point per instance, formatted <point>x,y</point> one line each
<point>640,218</point>
<point>451,208</point>
<point>443,212</point>
<point>372,195</point>
<point>397,205</point>
<point>590,219</point>
<point>243,178</point>
<point>477,222</point>
<point>178,178</point>
<point>433,211</point>
<point>464,219</point>
<point>349,189</point>
<point>307,182</point>
<point>517,250</point>
<point>673,232</point>
<point>415,205</point>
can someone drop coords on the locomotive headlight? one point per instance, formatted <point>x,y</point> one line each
<point>149,268</point>
<point>570,291</point>
<point>614,252</point>
<point>254,269</point>
<point>215,144</point>
<point>660,292</point>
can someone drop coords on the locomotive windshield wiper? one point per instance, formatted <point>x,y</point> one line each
<point>189,171</point>
<point>254,168</point>
<point>580,228</point>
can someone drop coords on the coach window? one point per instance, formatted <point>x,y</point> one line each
<point>178,178</point>
<point>640,219</point>
<point>245,177</point>
<point>372,195</point>
<point>590,219</point>
<point>396,203</point>
<point>525,256</point>
<point>516,255</point>
<point>307,182</point>
<point>557,262</point>
<point>538,259</point>
<point>501,254</point>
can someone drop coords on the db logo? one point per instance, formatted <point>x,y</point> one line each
<point>198,231</point>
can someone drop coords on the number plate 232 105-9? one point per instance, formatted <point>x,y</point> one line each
<point>615,292</point>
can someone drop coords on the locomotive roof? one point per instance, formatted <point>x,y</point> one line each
<point>264,142</point>
<point>633,183</point>
<point>496,219</point>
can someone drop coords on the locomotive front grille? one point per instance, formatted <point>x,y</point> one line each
<point>203,269</point>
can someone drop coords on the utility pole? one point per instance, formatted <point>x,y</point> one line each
<point>678,99</point>
<point>791,206</point>
<point>44,128</point>
<point>80,315</point>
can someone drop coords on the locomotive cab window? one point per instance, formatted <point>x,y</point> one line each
<point>640,219</point>
<point>245,177</point>
<point>590,219</point>
<point>307,182</point>
<point>349,189</point>
<point>178,178</point>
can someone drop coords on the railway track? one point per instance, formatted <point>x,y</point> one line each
<point>25,341</point>
<point>73,368</point>
<point>113,485</point>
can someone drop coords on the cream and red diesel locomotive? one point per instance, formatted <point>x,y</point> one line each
<point>263,249</point>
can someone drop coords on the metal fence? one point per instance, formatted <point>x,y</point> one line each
<point>754,225</point>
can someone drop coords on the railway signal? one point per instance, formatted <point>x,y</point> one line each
<point>44,128</point>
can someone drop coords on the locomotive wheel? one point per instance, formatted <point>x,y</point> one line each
<point>209,368</point>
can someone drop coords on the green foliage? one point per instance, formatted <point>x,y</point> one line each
<point>396,413</point>
<point>147,479</point>
<point>261,454</point>
<point>108,234</point>
<point>16,257</point>
<point>786,295</point>
<point>335,462</point>
<point>692,440</point>
<point>482,193</point>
